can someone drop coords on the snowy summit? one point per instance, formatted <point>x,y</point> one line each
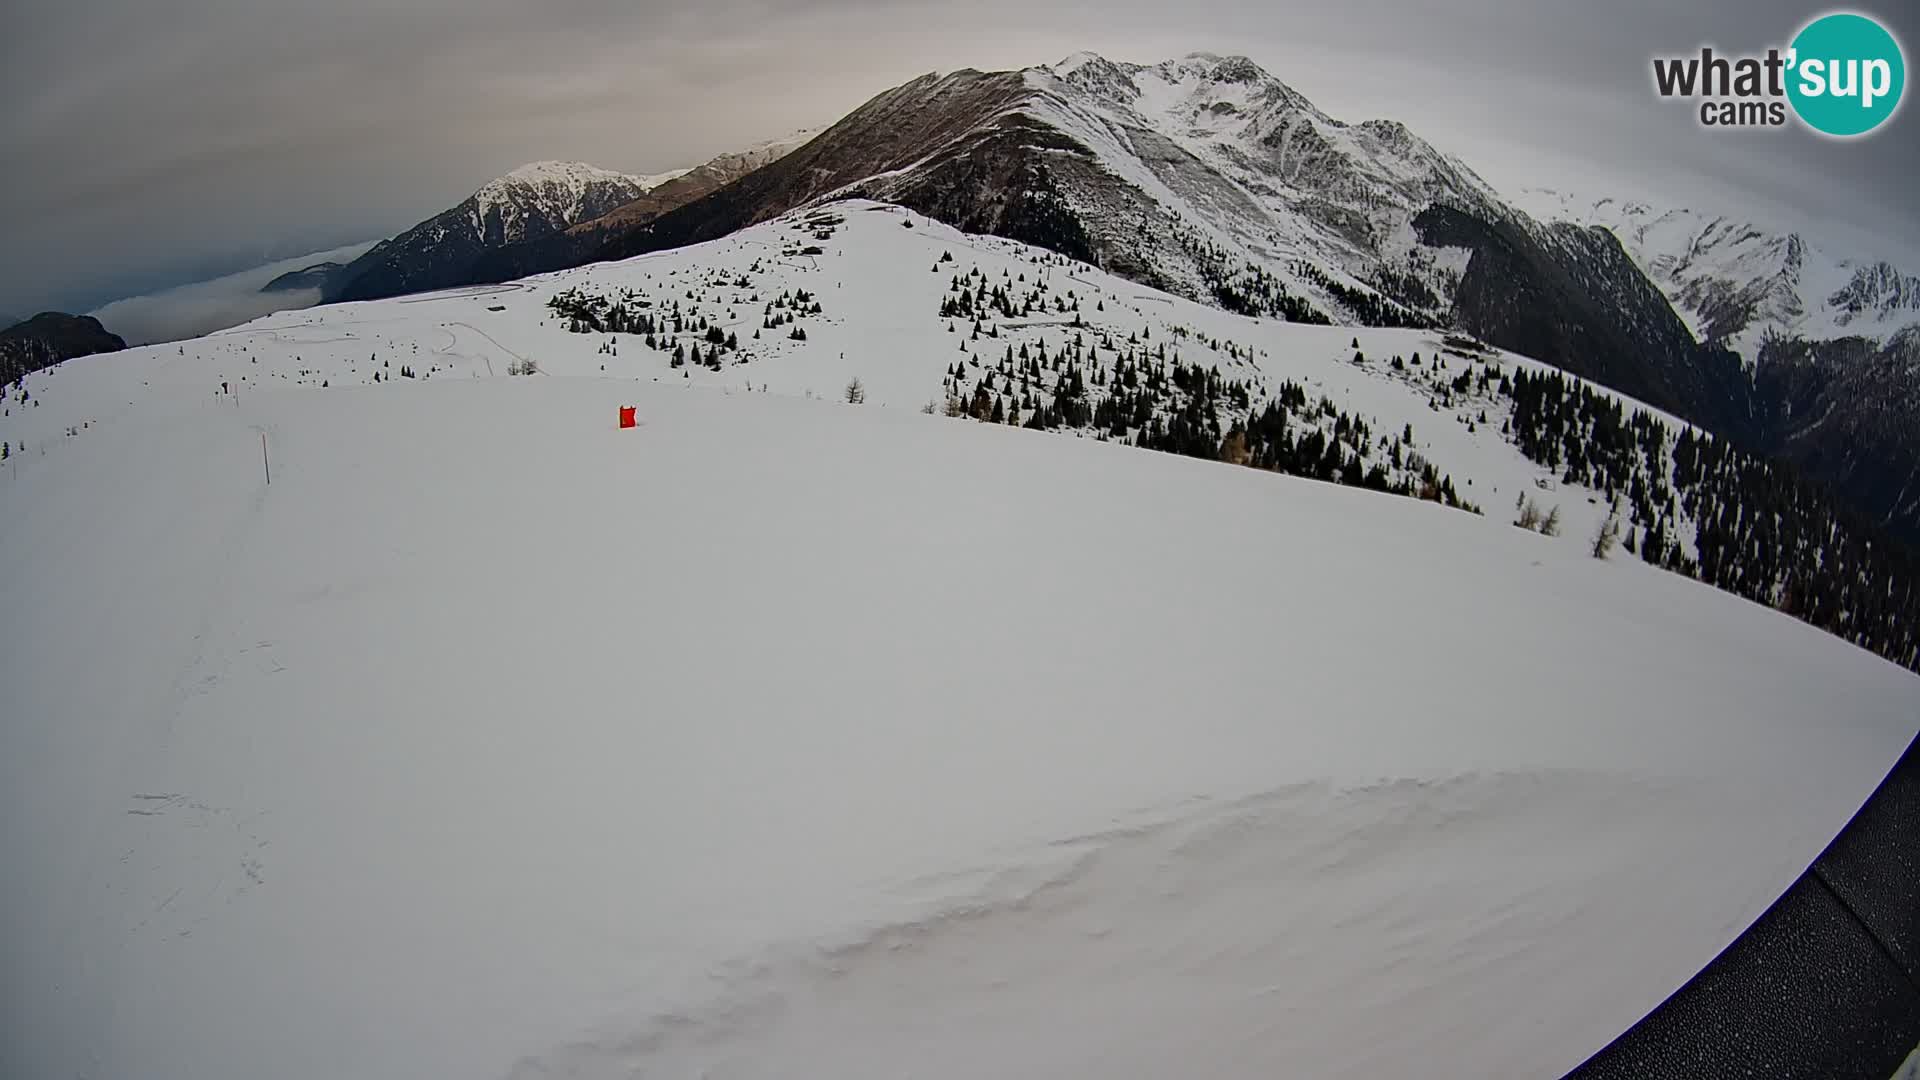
<point>567,192</point>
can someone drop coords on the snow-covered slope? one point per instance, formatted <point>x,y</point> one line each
<point>880,275</point>
<point>782,736</point>
<point>929,317</point>
<point>1738,282</point>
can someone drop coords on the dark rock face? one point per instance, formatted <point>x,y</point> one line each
<point>930,117</point>
<point>535,255</point>
<point>1008,182</point>
<point>49,338</point>
<point>1571,296</point>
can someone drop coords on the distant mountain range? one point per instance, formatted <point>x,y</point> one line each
<point>561,210</point>
<point>1739,283</point>
<point>49,338</point>
<point>533,200</point>
<point>1832,344</point>
<point>1209,178</point>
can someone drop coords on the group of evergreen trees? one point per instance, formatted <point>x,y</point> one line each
<point>1371,308</point>
<point>688,336</point>
<point>1245,288</point>
<point>1138,392</point>
<point>1255,291</point>
<point>1693,504</point>
<point>1408,287</point>
<point>1758,529</point>
<point>1144,395</point>
<point>782,310</point>
<point>970,296</point>
<point>1343,452</point>
<point>628,313</point>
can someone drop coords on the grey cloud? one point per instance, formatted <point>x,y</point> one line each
<point>214,134</point>
<point>202,307</point>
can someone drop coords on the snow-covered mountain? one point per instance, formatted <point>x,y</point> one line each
<point>535,200</point>
<point>1831,344</point>
<point>526,221</point>
<point>1739,282</point>
<point>1210,178</point>
<point>784,736</point>
<point>1299,185</point>
<point>579,243</point>
<point>544,195</point>
<point>1197,175</point>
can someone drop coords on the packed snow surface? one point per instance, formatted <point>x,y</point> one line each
<point>784,737</point>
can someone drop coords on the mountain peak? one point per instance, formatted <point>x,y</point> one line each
<point>558,193</point>
<point>1226,69</point>
<point>1206,66</point>
<point>571,173</point>
<point>50,338</point>
<point>60,325</point>
<point>1075,62</point>
<point>1228,85</point>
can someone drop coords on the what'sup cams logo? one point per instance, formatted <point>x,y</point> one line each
<point>1842,76</point>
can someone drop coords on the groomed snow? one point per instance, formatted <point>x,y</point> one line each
<point>781,737</point>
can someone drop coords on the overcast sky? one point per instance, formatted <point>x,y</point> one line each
<point>154,142</point>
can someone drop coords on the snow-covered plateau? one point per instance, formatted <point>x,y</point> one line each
<point>782,736</point>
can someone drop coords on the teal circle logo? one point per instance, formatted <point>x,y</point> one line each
<point>1846,74</point>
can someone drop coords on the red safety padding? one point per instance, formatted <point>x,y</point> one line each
<point>626,416</point>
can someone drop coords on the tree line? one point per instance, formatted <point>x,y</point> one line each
<point>1758,530</point>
